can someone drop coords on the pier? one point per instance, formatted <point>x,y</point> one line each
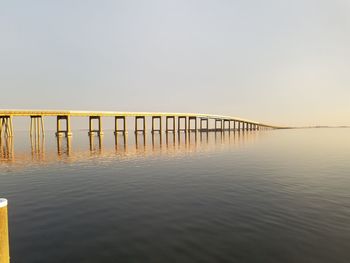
<point>186,122</point>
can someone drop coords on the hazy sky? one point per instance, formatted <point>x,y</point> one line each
<point>284,62</point>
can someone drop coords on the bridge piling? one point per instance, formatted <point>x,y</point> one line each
<point>6,126</point>
<point>37,125</point>
<point>153,124</point>
<point>67,131</point>
<point>99,131</point>
<point>216,127</point>
<point>225,121</point>
<point>195,124</point>
<point>179,129</point>
<point>206,120</point>
<point>143,118</point>
<point>116,119</point>
<point>167,124</point>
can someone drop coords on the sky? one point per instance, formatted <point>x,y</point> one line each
<point>275,61</point>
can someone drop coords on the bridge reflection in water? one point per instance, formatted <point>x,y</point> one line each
<point>120,145</point>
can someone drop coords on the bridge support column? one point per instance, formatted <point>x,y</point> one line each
<point>224,125</point>
<point>167,123</point>
<point>206,120</point>
<point>67,131</point>
<point>179,123</point>
<point>6,126</point>
<point>216,126</point>
<point>99,131</point>
<point>143,118</point>
<point>153,124</point>
<point>195,124</point>
<point>116,130</point>
<point>37,125</point>
<point>231,126</point>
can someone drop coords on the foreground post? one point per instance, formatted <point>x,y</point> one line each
<point>4,233</point>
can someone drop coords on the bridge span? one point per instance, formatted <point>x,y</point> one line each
<point>186,122</point>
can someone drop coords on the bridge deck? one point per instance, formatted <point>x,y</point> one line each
<point>11,112</point>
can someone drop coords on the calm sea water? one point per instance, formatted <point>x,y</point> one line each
<point>269,196</point>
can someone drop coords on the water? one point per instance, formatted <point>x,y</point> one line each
<point>269,196</point>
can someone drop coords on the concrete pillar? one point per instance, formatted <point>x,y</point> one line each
<point>153,124</point>
<point>221,123</point>
<point>4,232</point>
<point>6,126</point>
<point>224,124</point>
<point>67,131</point>
<point>116,130</point>
<point>42,126</point>
<point>232,125</point>
<point>1,122</point>
<point>58,126</point>
<point>167,123</point>
<point>206,120</point>
<point>37,126</point>
<point>179,123</point>
<point>99,130</point>
<point>136,124</point>
<point>11,126</point>
<point>195,123</point>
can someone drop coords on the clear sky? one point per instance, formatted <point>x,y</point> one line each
<point>282,62</point>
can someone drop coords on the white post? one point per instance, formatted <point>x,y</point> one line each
<point>4,233</point>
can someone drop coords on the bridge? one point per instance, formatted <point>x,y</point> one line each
<point>186,122</point>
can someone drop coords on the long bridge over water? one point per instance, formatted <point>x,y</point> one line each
<point>186,122</point>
